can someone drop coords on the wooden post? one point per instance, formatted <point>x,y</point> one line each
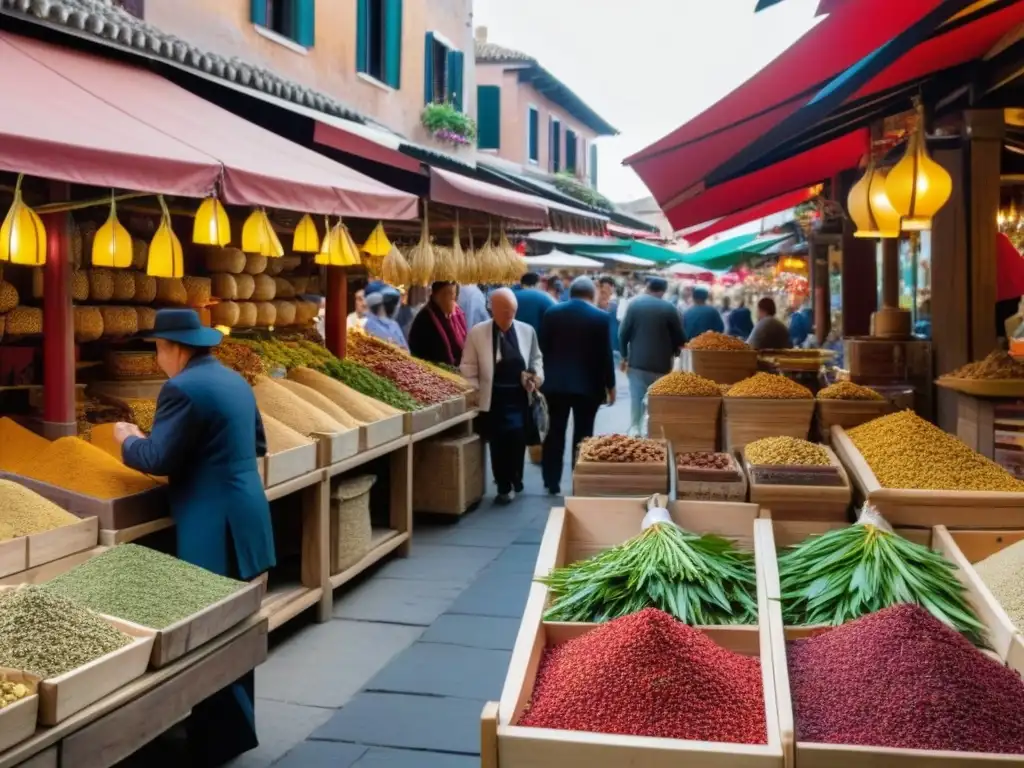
<point>58,326</point>
<point>891,273</point>
<point>860,284</point>
<point>336,316</point>
<point>401,496</point>
<point>818,253</point>
<point>985,132</point>
<point>316,546</point>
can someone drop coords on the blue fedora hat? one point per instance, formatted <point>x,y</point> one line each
<point>183,326</point>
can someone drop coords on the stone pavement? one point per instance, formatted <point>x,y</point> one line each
<point>399,676</point>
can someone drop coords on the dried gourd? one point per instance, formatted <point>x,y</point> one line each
<point>119,321</point>
<point>246,314</point>
<point>306,312</point>
<point>145,288</point>
<point>290,263</point>
<point>266,314</point>
<point>421,256</point>
<point>229,260</point>
<point>140,253</point>
<point>292,410</point>
<point>395,269</point>
<point>88,231</point>
<point>124,285</point>
<point>299,283</point>
<point>245,285</point>
<point>101,284</point>
<point>197,290</point>
<point>280,437</point>
<point>224,286</point>
<point>225,313</point>
<point>9,295</point>
<point>264,288</point>
<point>76,244</point>
<point>88,324</point>
<point>321,402</point>
<point>283,289</point>
<point>171,290</point>
<point>147,318</point>
<point>285,312</point>
<point>24,321</point>
<point>79,285</point>
<point>274,267</point>
<point>255,264</point>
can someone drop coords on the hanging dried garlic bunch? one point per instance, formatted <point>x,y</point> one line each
<point>395,269</point>
<point>421,255</point>
<point>489,262</point>
<point>445,270</point>
<point>509,259</point>
<point>471,263</point>
<point>458,255</point>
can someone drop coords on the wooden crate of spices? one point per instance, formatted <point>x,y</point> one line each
<point>18,720</point>
<point>689,423</point>
<point>380,432</point>
<point>746,419</point>
<point>113,514</point>
<point>423,419</point>
<point>289,464</point>
<point>824,499</point>
<point>53,545</point>
<point>923,509</point>
<point>13,556</point>
<point>848,414</point>
<point>333,447</point>
<point>698,484</point>
<point>611,478</point>
<point>721,366</point>
<point>453,408</point>
<point>448,475</point>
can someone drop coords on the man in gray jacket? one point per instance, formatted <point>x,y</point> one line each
<point>650,337</point>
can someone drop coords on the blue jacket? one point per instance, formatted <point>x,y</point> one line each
<point>700,318</point>
<point>741,324</point>
<point>576,351</point>
<point>533,303</point>
<point>207,433</point>
<point>387,329</point>
<point>613,324</point>
<point>800,326</point>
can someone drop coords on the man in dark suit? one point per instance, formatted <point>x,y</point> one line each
<point>574,341</point>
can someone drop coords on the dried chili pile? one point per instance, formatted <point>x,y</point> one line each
<point>391,363</point>
<point>649,675</point>
<point>901,678</point>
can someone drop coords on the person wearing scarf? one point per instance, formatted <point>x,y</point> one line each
<point>438,333</point>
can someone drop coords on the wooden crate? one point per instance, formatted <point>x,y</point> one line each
<point>923,509</point>
<point>128,390</point>
<point>721,366</point>
<point>746,419</point>
<point>689,423</point>
<point>13,556</point>
<point>113,514</point>
<point>448,475</point>
<point>287,465</point>
<point>803,502</point>
<point>582,528</point>
<point>453,408</point>
<point>712,485</point>
<point>62,696</point>
<point>60,542</point>
<point>18,720</point>
<point>423,419</point>
<point>379,432</point>
<point>335,446</point>
<point>607,478</point>
<point>848,414</point>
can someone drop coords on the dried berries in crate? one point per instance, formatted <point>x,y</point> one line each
<point>622,449</point>
<point>703,460</point>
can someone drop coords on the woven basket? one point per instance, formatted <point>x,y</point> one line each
<point>127,366</point>
<point>350,522</point>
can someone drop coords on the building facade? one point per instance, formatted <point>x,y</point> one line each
<point>385,59</point>
<point>529,117</point>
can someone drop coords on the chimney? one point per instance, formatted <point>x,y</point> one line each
<point>481,35</point>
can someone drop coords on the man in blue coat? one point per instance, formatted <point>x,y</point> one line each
<point>206,437</point>
<point>701,316</point>
<point>579,373</point>
<point>533,302</point>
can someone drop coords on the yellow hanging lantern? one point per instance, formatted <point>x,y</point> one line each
<point>258,235</point>
<point>22,235</point>
<point>337,249</point>
<point>917,186</point>
<point>377,244</point>
<point>212,225</point>
<point>306,239</point>
<point>112,245</point>
<point>166,258</point>
<point>870,208</point>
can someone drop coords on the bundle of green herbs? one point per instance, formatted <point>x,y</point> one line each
<point>850,572</point>
<point>698,579</point>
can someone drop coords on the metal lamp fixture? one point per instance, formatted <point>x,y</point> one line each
<point>22,234</point>
<point>917,186</point>
<point>212,225</point>
<point>870,208</point>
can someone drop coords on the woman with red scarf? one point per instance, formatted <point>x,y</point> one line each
<point>438,333</point>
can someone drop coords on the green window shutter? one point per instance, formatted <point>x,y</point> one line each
<point>362,36</point>
<point>554,145</point>
<point>393,43</point>
<point>456,62</point>
<point>304,22</point>
<point>488,117</point>
<point>593,166</point>
<point>428,68</point>
<point>534,130</point>
<point>570,150</point>
<point>258,12</point>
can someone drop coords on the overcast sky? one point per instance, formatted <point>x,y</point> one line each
<point>646,66</point>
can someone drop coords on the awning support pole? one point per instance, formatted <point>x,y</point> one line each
<point>58,326</point>
<point>336,315</point>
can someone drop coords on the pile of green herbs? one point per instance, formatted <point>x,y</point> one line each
<point>700,580</point>
<point>850,572</point>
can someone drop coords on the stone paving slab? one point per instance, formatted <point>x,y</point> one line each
<point>476,536</point>
<point>495,593</point>
<point>407,758</point>
<point>280,726</point>
<point>433,669</point>
<point>398,601</point>
<point>517,558</point>
<point>530,536</point>
<point>407,722</point>
<point>440,562</point>
<point>494,632</point>
<point>322,754</point>
<point>327,664</point>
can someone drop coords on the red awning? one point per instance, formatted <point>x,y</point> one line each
<point>755,212</point>
<point>464,192</point>
<point>674,165</point>
<point>788,176</point>
<point>352,138</point>
<point>135,106</point>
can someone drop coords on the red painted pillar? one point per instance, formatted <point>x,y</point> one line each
<point>336,315</point>
<point>58,331</point>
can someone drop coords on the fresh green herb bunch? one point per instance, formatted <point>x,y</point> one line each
<point>368,383</point>
<point>700,580</point>
<point>850,572</point>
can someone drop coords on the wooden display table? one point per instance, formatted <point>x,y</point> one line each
<point>689,423</point>
<point>994,427</point>
<point>800,499</point>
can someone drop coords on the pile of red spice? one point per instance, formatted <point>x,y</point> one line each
<point>648,674</point>
<point>901,678</point>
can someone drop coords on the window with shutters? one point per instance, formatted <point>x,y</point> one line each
<point>570,150</point>
<point>379,40</point>
<point>555,144</point>
<point>488,116</point>
<point>294,20</point>
<point>442,72</point>
<point>592,165</point>
<point>533,135</point>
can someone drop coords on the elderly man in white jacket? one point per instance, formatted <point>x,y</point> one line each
<point>502,359</point>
